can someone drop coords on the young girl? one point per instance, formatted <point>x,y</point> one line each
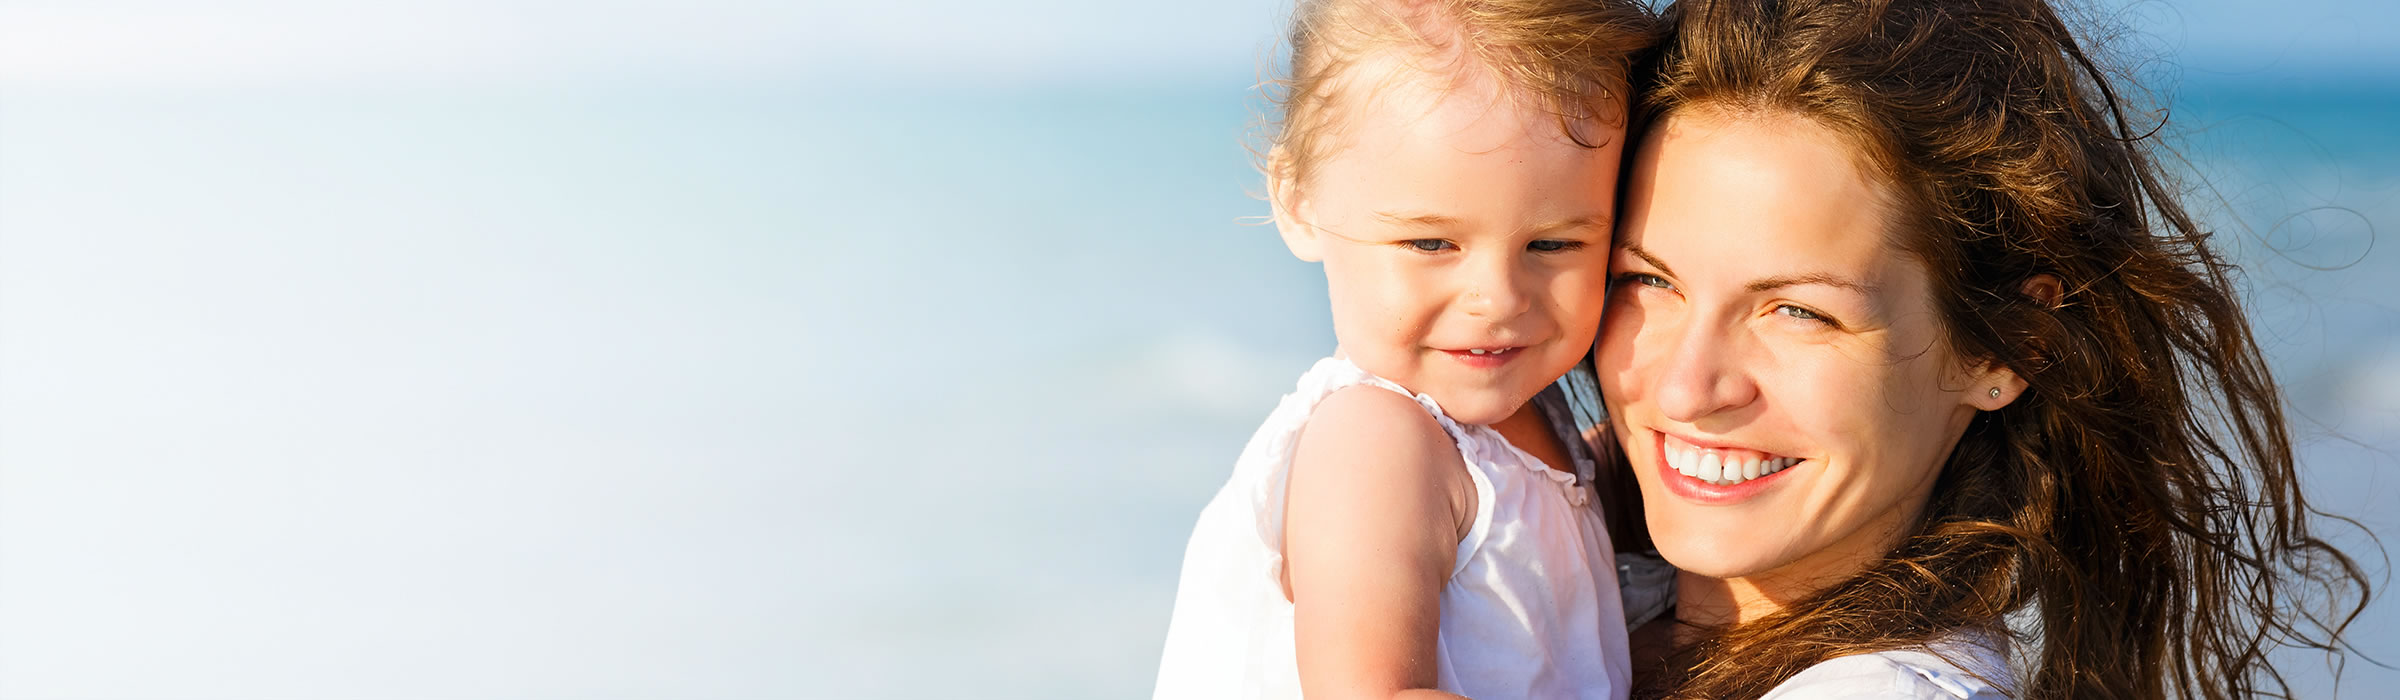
<point>1408,523</point>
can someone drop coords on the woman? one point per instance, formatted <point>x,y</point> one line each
<point>1910,336</point>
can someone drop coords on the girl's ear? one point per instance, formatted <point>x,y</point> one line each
<point>1283,196</point>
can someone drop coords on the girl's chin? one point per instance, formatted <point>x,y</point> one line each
<point>1481,409</point>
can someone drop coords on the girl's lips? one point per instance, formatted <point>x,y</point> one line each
<point>1485,358</point>
<point>1705,493</point>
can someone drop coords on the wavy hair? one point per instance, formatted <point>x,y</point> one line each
<point>2138,505</point>
<point>1573,56</point>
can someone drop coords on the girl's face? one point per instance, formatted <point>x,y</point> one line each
<point>1464,237</point>
<point>1766,336</point>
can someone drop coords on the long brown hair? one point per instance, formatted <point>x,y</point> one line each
<point>2138,504</point>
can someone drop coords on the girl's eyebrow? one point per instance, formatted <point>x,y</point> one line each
<point>1599,222</point>
<point>1440,221</point>
<point>1424,220</point>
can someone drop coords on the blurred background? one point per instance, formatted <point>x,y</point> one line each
<point>740,349</point>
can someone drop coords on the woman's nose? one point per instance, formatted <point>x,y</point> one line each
<point>1702,374</point>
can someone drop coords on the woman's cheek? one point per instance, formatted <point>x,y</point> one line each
<point>1620,339</point>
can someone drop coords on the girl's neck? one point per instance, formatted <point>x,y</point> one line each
<point>1530,431</point>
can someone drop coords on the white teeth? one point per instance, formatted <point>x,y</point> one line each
<point>1771,466</point>
<point>1477,351</point>
<point>1721,470</point>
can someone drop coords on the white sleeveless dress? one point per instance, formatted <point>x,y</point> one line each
<point>1530,611</point>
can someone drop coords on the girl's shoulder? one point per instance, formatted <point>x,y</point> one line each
<point>1335,394</point>
<point>1380,445</point>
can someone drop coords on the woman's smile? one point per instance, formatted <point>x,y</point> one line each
<point>1712,473</point>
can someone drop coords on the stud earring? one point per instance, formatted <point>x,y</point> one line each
<point>1995,392</point>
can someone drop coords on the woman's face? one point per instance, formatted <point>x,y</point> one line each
<point>1773,365</point>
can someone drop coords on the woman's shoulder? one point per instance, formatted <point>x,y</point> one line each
<point>1909,674</point>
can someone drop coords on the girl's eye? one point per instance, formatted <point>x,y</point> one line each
<point>1645,279</point>
<point>1428,245</point>
<point>1550,246</point>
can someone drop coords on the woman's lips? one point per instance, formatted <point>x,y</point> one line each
<point>1717,475</point>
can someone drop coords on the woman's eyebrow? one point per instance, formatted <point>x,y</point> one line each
<point>1648,258</point>
<point>1811,278</point>
<point>1776,282</point>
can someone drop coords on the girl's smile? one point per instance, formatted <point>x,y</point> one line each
<point>1485,358</point>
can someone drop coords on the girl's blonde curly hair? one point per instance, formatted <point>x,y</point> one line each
<point>1574,56</point>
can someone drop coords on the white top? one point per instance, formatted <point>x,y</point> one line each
<point>1530,611</point>
<point>1906,675</point>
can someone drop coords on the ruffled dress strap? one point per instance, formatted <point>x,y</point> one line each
<point>1266,465</point>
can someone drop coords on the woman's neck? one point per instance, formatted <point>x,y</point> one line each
<point>1715,602</point>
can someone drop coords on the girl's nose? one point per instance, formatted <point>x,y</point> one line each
<point>1702,374</point>
<point>1495,289</point>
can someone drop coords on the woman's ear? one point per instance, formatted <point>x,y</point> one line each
<point>1996,386</point>
<point>2044,289</point>
<point>1283,196</point>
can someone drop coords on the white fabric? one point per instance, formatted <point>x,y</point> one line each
<point>1530,611</point>
<point>1906,675</point>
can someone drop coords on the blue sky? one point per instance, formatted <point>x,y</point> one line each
<point>925,45</point>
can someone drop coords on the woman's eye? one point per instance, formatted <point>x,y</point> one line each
<point>1646,280</point>
<point>1429,245</point>
<point>1803,314</point>
<point>1549,246</point>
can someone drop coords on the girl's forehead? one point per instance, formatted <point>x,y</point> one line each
<point>1394,94</point>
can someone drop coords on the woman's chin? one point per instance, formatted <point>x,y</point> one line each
<point>1714,553</point>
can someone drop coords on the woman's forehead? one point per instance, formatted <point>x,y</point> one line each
<point>1763,193</point>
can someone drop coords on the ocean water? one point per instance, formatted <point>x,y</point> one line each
<point>770,390</point>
